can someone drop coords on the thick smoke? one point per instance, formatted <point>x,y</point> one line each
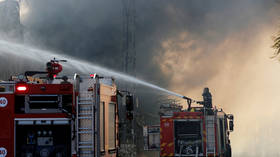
<point>231,54</point>
<point>183,45</point>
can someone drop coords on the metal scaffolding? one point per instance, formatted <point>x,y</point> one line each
<point>127,131</point>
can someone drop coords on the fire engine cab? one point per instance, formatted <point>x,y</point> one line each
<point>53,116</point>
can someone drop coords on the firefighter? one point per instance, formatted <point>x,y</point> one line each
<point>207,98</point>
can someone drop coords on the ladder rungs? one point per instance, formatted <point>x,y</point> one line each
<point>84,132</point>
<point>86,152</point>
<point>84,117</point>
<point>86,142</point>
<point>85,99</point>
<point>84,103</point>
<point>85,146</point>
<point>85,114</point>
<point>86,109</point>
<point>85,128</point>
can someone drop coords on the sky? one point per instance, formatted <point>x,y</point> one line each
<point>183,46</point>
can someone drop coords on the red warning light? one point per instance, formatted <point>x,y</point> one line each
<point>21,88</point>
<point>92,75</point>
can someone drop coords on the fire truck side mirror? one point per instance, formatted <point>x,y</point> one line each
<point>129,102</point>
<point>129,115</point>
<point>231,124</point>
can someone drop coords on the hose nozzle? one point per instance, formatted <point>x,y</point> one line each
<point>184,97</point>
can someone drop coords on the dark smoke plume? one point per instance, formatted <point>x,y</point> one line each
<point>181,45</point>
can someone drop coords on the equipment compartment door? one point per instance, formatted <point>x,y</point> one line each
<point>34,139</point>
<point>6,121</point>
<point>188,138</point>
<point>6,132</point>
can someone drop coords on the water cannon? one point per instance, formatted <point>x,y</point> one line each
<point>54,68</point>
<point>189,101</point>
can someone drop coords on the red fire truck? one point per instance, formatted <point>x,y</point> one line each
<point>195,132</point>
<point>53,116</point>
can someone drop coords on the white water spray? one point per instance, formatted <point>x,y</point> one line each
<point>8,48</point>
